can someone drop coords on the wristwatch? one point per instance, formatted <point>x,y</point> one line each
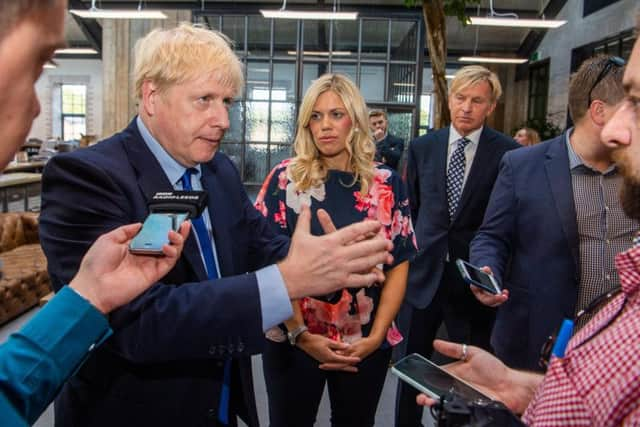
<point>294,334</point>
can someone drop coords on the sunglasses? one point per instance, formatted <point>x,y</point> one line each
<point>592,307</point>
<point>611,62</point>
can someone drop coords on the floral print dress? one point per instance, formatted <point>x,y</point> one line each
<point>348,315</point>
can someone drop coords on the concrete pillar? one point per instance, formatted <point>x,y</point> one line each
<point>515,101</point>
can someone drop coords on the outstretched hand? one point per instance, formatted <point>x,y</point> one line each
<point>346,258</point>
<point>110,276</point>
<point>329,227</point>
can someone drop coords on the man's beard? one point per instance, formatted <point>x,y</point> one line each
<point>630,198</point>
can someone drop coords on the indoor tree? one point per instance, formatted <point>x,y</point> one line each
<point>434,13</point>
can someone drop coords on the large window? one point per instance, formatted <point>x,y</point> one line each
<point>538,91</point>
<point>283,57</point>
<point>428,98</point>
<point>619,45</point>
<point>73,111</point>
<point>591,6</point>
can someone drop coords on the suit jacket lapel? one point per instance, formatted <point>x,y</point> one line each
<point>440,154</point>
<point>151,179</point>
<point>485,151</point>
<point>559,179</point>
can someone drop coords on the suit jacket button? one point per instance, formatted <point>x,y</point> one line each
<point>211,413</point>
<point>220,364</point>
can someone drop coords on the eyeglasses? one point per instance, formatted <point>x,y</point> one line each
<point>592,307</point>
<point>611,62</point>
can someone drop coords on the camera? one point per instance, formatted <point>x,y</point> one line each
<point>454,411</point>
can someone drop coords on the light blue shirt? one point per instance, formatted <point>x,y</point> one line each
<point>275,304</point>
<point>576,162</point>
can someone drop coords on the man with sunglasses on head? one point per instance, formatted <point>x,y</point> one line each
<point>595,380</point>
<point>554,223</point>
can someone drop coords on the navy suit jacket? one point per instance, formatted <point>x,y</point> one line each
<point>391,148</point>
<point>529,238</point>
<point>164,364</point>
<point>436,234</point>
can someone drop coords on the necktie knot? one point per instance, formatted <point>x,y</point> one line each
<point>186,178</point>
<point>463,142</point>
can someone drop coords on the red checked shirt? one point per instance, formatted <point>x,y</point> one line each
<point>597,383</point>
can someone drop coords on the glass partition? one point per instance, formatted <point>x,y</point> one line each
<point>282,58</point>
<point>375,38</point>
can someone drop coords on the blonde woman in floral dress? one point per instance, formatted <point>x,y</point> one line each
<point>344,339</point>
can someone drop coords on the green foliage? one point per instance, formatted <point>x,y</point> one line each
<point>546,128</point>
<point>455,8</point>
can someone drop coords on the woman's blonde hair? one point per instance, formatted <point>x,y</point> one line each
<point>308,168</point>
<point>532,134</point>
<point>181,54</point>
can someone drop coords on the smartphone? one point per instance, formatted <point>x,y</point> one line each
<point>431,379</point>
<point>155,232</point>
<point>473,275</point>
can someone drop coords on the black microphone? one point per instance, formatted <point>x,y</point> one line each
<point>191,202</point>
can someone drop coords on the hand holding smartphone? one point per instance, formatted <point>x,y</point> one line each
<point>434,381</point>
<point>155,232</point>
<point>476,277</point>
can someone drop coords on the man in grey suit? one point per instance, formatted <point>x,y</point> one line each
<point>450,174</point>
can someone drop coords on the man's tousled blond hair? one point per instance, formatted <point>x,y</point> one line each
<point>184,53</point>
<point>473,74</point>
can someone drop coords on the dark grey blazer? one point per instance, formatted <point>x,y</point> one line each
<point>436,234</point>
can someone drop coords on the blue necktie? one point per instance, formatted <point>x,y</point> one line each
<point>455,176</point>
<point>201,231</point>
<point>212,273</point>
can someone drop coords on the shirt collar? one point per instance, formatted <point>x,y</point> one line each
<point>575,161</point>
<point>474,136</point>
<point>169,165</point>
<point>628,266</point>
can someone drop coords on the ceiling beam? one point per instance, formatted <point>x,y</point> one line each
<point>483,12</point>
<point>217,7</point>
<point>90,27</point>
<point>533,39</point>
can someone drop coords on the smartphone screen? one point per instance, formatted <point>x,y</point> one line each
<point>432,380</point>
<point>477,277</point>
<point>155,232</point>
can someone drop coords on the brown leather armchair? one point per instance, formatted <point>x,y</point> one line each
<point>24,267</point>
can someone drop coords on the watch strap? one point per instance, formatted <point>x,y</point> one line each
<point>295,333</point>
